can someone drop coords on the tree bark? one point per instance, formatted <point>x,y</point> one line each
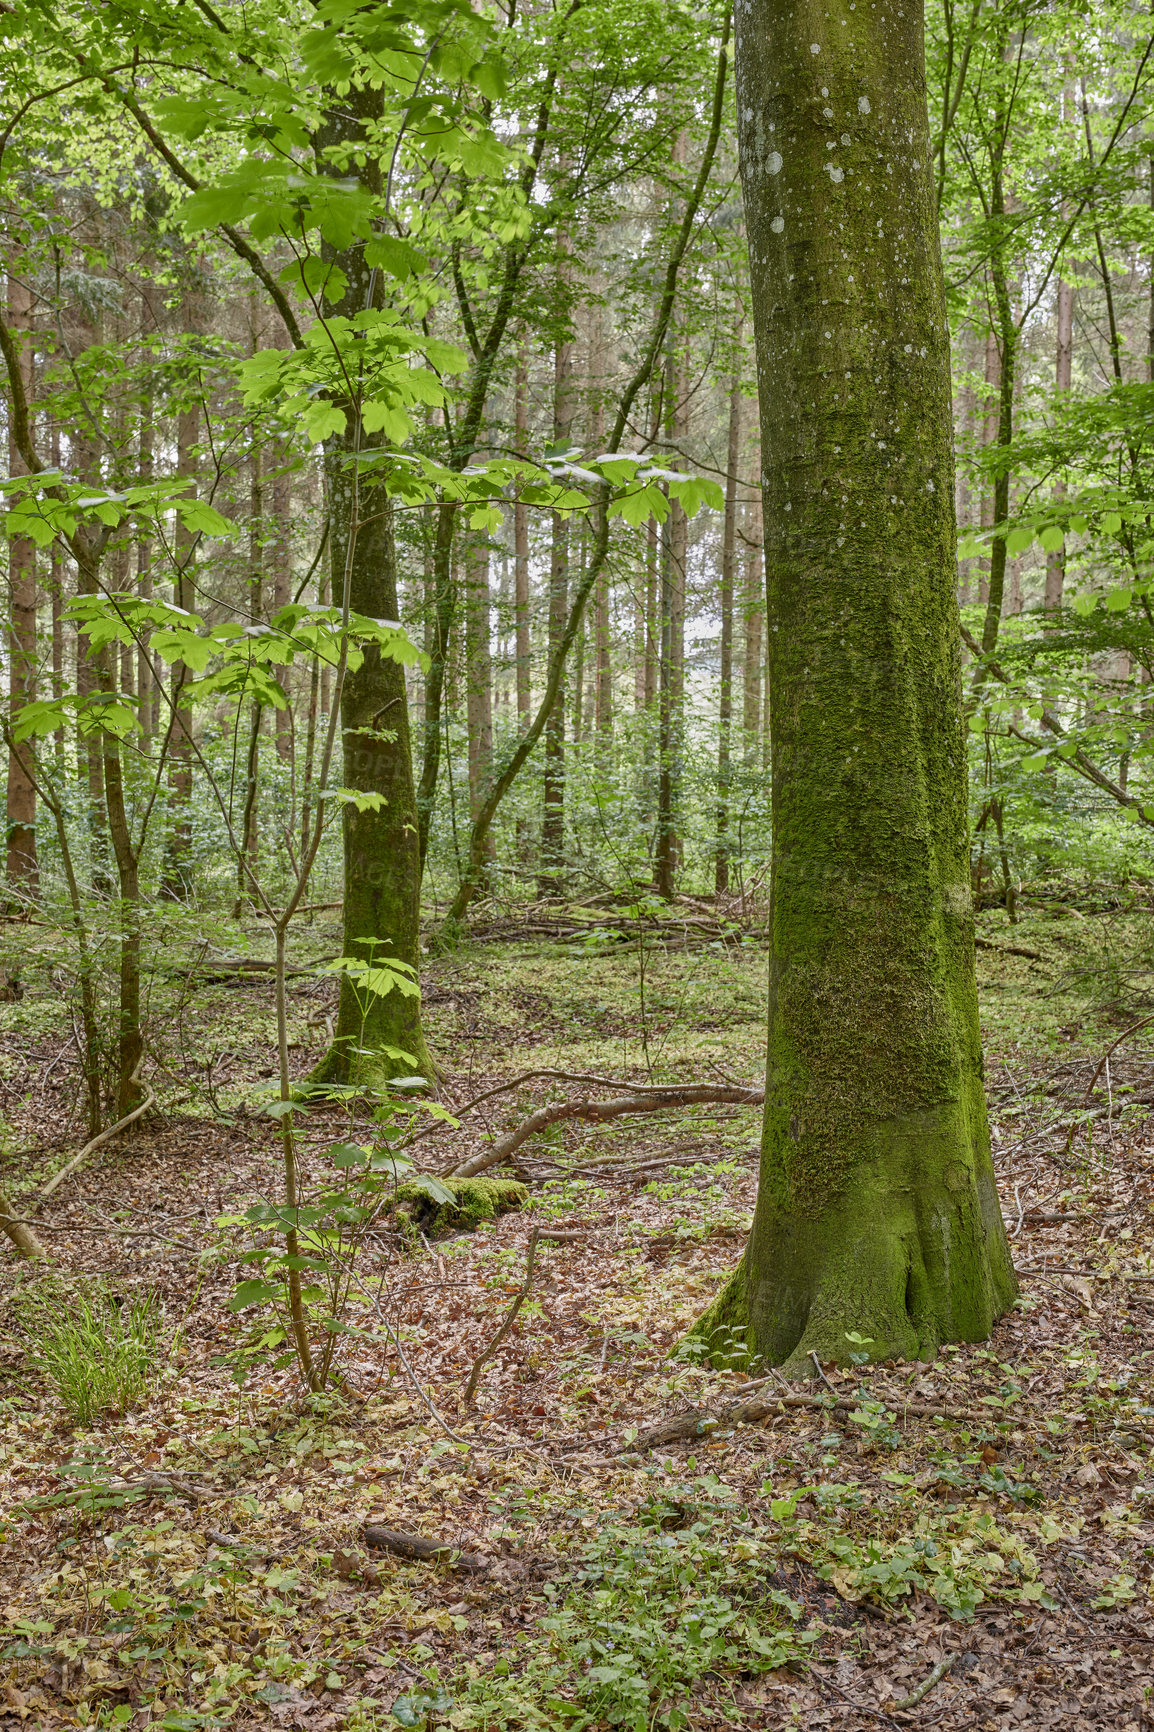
<point>147,694</point>
<point>177,878</point>
<point>671,677</point>
<point>382,855</point>
<point>23,870</point>
<point>728,561</point>
<point>478,671</point>
<point>877,1210</point>
<point>553,814</point>
<point>1063,369</point>
<point>376,1037</point>
<point>521,543</point>
<point>754,611</point>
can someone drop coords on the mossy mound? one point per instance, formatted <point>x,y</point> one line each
<point>420,1205</point>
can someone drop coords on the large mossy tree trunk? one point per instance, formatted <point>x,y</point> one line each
<point>877,1211</point>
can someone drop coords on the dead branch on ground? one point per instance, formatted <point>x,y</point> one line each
<point>642,1098</point>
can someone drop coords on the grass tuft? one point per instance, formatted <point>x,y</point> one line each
<point>98,1353</point>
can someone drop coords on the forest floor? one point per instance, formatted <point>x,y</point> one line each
<point>202,1558</point>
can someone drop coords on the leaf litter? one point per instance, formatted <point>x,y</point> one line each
<point>966,1543</point>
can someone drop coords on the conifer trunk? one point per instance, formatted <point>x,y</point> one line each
<point>23,871</point>
<point>877,1210</point>
<point>177,877</point>
<point>725,693</point>
<point>553,788</point>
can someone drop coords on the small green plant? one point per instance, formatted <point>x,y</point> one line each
<point>878,1430</point>
<point>97,1352</point>
<point>660,1607</point>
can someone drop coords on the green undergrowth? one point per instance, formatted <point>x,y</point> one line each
<point>95,1349</point>
<point>647,1615</point>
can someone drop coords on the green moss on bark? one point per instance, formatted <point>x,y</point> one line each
<point>877,1211</point>
<point>474,1200</point>
<point>382,894</point>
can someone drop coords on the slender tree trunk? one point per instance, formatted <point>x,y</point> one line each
<point>521,545</point>
<point>728,562</point>
<point>602,635</point>
<point>993,378</point>
<point>553,817</point>
<point>177,879</point>
<point>23,870</point>
<point>130,1032</point>
<point>652,629</point>
<point>89,752</point>
<point>376,1037</point>
<point>280,563</point>
<point>1006,341</point>
<point>1063,373</point>
<point>753,608</point>
<point>249,832</point>
<point>877,1210</point>
<point>147,695</point>
<point>478,672</point>
<point>1056,561</point>
<point>671,677</point>
<point>579,660</point>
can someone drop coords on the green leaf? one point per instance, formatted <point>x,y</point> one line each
<point>395,256</point>
<point>320,421</point>
<point>248,1293</point>
<point>348,1155</point>
<point>199,516</point>
<point>364,802</point>
<point>1052,538</point>
<point>1019,540</point>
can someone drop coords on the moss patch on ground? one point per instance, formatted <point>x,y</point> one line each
<point>473,1201</point>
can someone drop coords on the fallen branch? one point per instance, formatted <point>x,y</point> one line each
<point>144,1485</point>
<point>487,1353</point>
<point>924,1688</point>
<point>104,1137</point>
<point>420,1550</point>
<point>21,1233</point>
<point>1105,1059</point>
<point>1008,949</point>
<point>698,1423</point>
<point>645,1098</point>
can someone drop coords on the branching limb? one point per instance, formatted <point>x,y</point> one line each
<point>651,1099</point>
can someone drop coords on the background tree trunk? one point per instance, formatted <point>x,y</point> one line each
<point>753,609</point>
<point>728,562</point>
<point>877,1210</point>
<point>553,814</point>
<point>23,872</point>
<point>177,880</point>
